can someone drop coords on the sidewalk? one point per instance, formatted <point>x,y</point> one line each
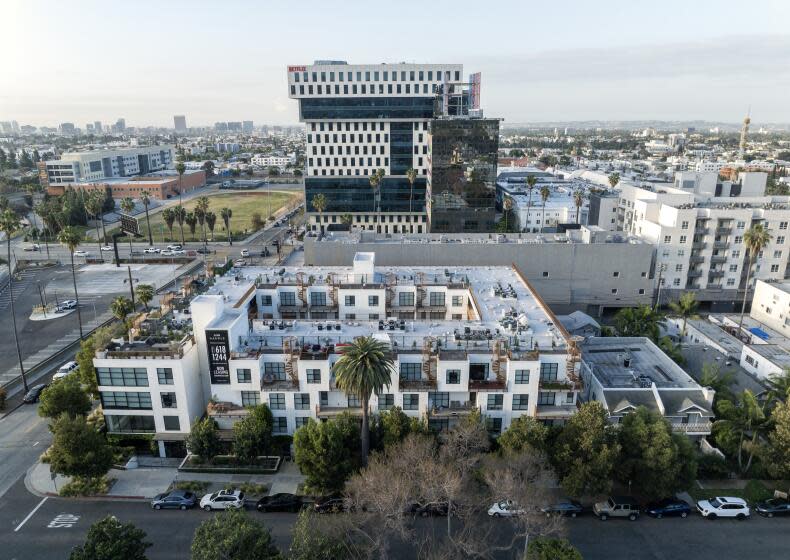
<point>146,482</point>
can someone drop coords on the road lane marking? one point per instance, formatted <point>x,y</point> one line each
<point>63,520</point>
<point>29,515</point>
<point>35,444</point>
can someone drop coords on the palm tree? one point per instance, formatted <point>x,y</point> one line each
<point>531,181</point>
<point>578,200</point>
<point>93,204</point>
<point>375,181</point>
<point>347,220</point>
<point>121,307</point>
<point>319,203</point>
<point>200,211</point>
<point>211,220</point>
<point>145,293</point>
<point>191,221</point>
<point>755,239</point>
<point>545,193</point>
<point>146,200</point>
<point>9,223</point>
<point>639,321</point>
<point>127,205</point>
<point>365,367</point>
<point>741,420</point>
<point>686,308</point>
<point>226,214</point>
<point>411,176</point>
<point>70,238</point>
<point>180,169</point>
<point>200,215</point>
<point>169,217</point>
<point>507,205</point>
<point>181,215</point>
<point>779,385</point>
<point>720,382</point>
<point>614,179</point>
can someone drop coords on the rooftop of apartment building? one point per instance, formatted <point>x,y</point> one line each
<point>717,335</point>
<point>114,149</point>
<point>775,346</point>
<point>597,235</point>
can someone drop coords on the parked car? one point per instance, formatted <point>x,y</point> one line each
<point>203,251</point>
<point>723,506</point>
<point>565,507</point>
<point>245,253</point>
<point>81,253</point>
<point>428,509</point>
<point>179,252</point>
<point>34,394</point>
<point>279,502</point>
<point>166,253</point>
<point>774,506</point>
<point>617,506</point>
<point>223,500</point>
<point>33,247</point>
<point>174,247</point>
<point>181,499</point>
<point>668,507</point>
<point>239,262</point>
<point>505,508</point>
<point>66,304</point>
<point>152,250</point>
<point>64,370</point>
<point>330,504</point>
<point>106,248</point>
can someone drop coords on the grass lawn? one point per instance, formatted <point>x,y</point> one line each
<point>755,491</point>
<point>243,205</point>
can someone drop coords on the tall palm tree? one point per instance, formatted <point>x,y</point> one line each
<point>755,239</point>
<point>531,181</point>
<point>578,200</point>
<point>181,215</point>
<point>745,419</point>
<point>779,385</point>
<point>507,206</point>
<point>347,220</point>
<point>121,307</point>
<point>375,182</point>
<point>191,221</point>
<point>93,204</point>
<point>127,205</point>
<point>226,214</point>
<point>545,193</point>
<point>411,176</point>
<point>146,200</point>
<point>9,223</point>
<point>211,221</point>
<point>180,169</point>
<point>201,210</point>
<point>685,307</point>
<point>70,238</point>
<point>200,214</point>
<point>365,367</point>
<point>169,217</point>
<point>145,294</point>
<point>319,204</point>
<point>614,179</point>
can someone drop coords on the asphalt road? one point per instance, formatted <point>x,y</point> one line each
<point>23,437</point>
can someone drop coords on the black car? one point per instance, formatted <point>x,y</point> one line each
<point>330,504</point>
<point>428,509</point>
<point>569,508</point>
<point>181,499</point>
<point>774,506</point>
<point>34,393</point>
<point>280,502</point>
<point>668,507</point>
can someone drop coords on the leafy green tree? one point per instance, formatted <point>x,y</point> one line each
<point>326,452</point>
<point>719,381</point>
<point>208,167</point>
<point>639,321</point>
<point>395,425</point>
<point>109,539</point>
<point>578,200</point>
<point>203,439</point>
<point>671,349</point>
<point>64,396</point>
<point>127,206</point>
<point>365,367</point>
<point>524,433</point>
<point>755,239</point>
<point>586,451</point>
<point>310,542</point>
<point>552,549</point>
<point>233,535</point>
<point>686,308</point>
<point>94,205</point>
<point>144,293</point>
<point>777,457</point>
<point>87,352</point>
<point>70,238</point>
<point>652,458</point>
<point>739,427</point>
<point>78,449</point>
<point>252,435</point>
<point>779,385</point>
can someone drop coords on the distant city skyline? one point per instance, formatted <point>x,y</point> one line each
<point>612,60</point>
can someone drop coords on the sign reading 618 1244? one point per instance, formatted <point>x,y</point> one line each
<point>218,343</point>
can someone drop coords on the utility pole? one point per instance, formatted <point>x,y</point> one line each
<point>131,285</point>
<point>662,267</point>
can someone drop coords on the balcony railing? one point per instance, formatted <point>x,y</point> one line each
<point>721,244</point>
<point>271,384</point>
<point>696,428</point>
<point>701,231</point>
<point>325,410</point>
<point>696,259</point>
<point>455,409</point>
<point>556,385</point>
<point>724,230</point>
<point>487,385</point>
<point>418,384</point>
<point>718,259</point>
<point>698,245</point>
<point>694,273</point>
<point>716,273</point>
<point>145,350</point>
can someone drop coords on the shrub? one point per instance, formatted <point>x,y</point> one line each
<point>80,486</point>
<point>712,467</point>
<point>191,485</point>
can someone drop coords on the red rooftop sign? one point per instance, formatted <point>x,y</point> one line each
<point>297,68</point>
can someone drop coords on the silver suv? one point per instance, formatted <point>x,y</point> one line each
<point>617,506</point>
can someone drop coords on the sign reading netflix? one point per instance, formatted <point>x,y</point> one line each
<point>297,68</point>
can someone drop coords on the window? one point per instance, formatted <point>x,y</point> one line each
<point>453,376</point>
<point>741,225</point>
<point>616,274</point>
<point>123,377</point>
<point>494,425</point>
<point>373,301</point>
<point>353,401</point>
<point>244,376</point>
<point>782,225</point>
<point>684,225</point>
<point>667,239</point>
<point>288,298</point>
<point>436,298</point>
<point>302,401</point>
<point>318,298</point>
<point>736,254</point>
<point>777,254</point>
<point>774,268</point>
<point>569,397</point>
<point>165,376</point>
<point>545,274</point>
<point>546,398</point>
<point>410,371</point>
<point>277,401</point>
<point>350,301</point>
<point>313,376</point>
<point>411,401</point>
<point>733,268</point>
<point>678,268</point>
<point>676,282</point>
<point>386,401</point>
<point>522,376</point>
<point>738,240</point>
<point>681,252</point>
<point>458,301</point>
<point>520,402</point>
<point>275,370</point>
<point>548,372</point>
<point>113,399</point>
<point>780,240</point>
<point>406,299</point>
<point>438,400</point>
<point>301,421</point>
<point>172,423</point>
<point>168,400</point>
<point>280,425</point>
<point>495,401</point>
<point>250,398</point>
<point>682,238</point>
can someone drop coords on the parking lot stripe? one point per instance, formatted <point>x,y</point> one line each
<point>29,515</point>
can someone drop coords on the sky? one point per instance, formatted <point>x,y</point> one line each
<point>561,60</point>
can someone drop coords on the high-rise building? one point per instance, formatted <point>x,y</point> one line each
<point>120,125</point>
<point>97,127</point>
<point>180,123</point>
<point>246,127</point>
<point>234,126</point>
<point>67,128</point>
<point>221,126</point>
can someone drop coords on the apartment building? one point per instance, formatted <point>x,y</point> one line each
<point>698,228</point>
<point>269,161</point>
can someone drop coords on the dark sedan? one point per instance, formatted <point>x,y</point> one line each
<point>668,507</point>
<point>280,502</point>
<point>180,499</point>
<point>34,394</point>
<point>568,508</point>
<point>330,504</point>
<point>774,506</point>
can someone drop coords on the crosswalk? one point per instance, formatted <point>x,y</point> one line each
<point>20,285</point>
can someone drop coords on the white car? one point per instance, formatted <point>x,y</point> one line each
<point>64,370</point>
<point>152,250</point>
<point>81,253</point>
<point>724,507</point>
<point>106,248</point>
<point>67,304</point>
<point>174,247</point>
<point>223,500</point>
<point>505,508</point>
<point>245,253</point>
<point>179,252</point>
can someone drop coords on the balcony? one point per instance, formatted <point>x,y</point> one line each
<point>721,244</point>
<point>226,414</point>
<point>702,428</point>
<point>456,408</point>
<point>718,259</point>
<point>716,273</point>
<point>295,308</point>
<point>556,410</point>
<point>699,245</point>
<point>270,383</point>
<point>153,348</point>
<point>418,384</point>
<point>487,385</point>
<point>556,385</point>
<point>695,274</point>
<point>324,411</point>
<point>696,259</point>
<point>724,230</point>
<point>701,231</point>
